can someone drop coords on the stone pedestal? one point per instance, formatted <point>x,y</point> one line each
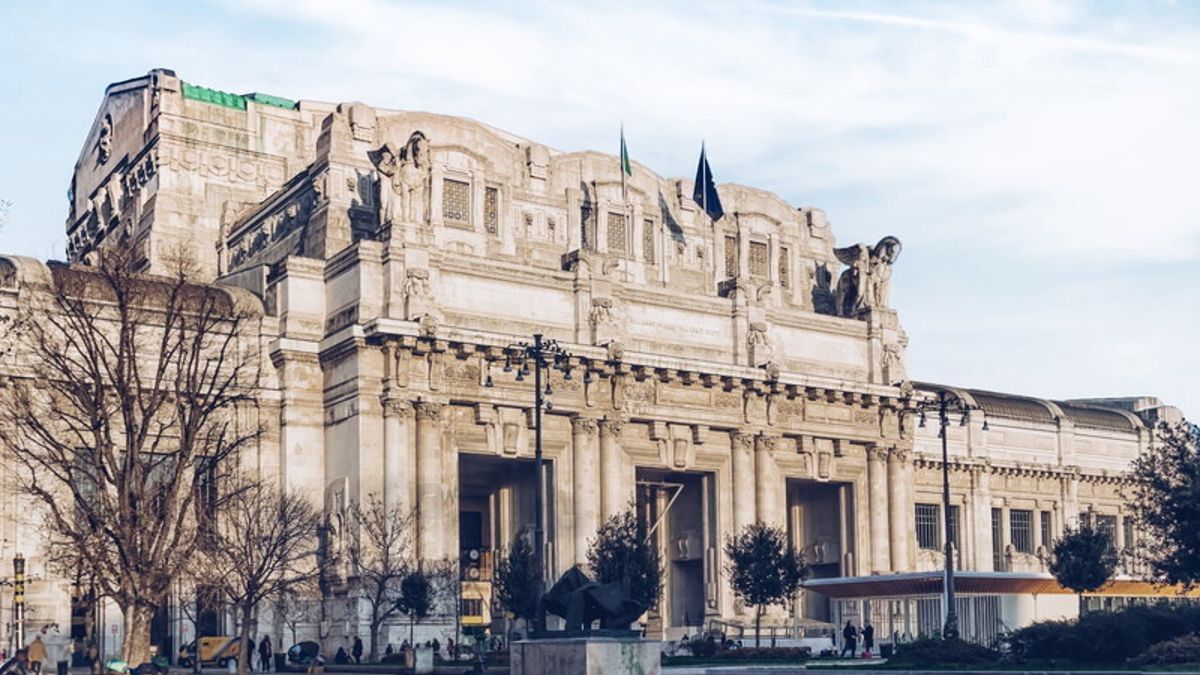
<point>586,656</point>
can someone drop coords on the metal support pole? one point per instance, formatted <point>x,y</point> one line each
<point>950,630</point>
<point>539,533</point>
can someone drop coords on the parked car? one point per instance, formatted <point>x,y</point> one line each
<point>303,653</point>
<point>213,650</point>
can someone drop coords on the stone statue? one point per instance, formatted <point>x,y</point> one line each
<point>414,178</point>
<point>852,284</point>
<point>390,187</point>
<point>882,257</point>
<point>404,181</point>
<point>104,141</point>
<point>866,281</point>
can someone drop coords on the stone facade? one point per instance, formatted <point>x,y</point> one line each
<point>721,373</point>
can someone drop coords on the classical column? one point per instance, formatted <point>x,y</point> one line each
<point>613,492</point>
<point>877,496</point>
<point>430,521</point>
<point>899,508</point>
<point>398,457</point>
<point>586,491</point>
<point>743,480</point>
<point>766,481</point>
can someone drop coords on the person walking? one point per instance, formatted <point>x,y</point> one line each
<point>265,652</point>
<point>849,639</point>
<point>37,654</point>
<point>357,650</point>
<point>868,636</point>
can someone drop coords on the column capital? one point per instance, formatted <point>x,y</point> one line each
<point>396,407</point>
<point>898,455</point>
<point>428,410</point>
<point>583,425</point>
<point>877,453</point>
<point>742,440</point>
<point>611,426</point>
<point>766,443</point>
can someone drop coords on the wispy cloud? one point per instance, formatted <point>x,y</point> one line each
<point>1017,146</point>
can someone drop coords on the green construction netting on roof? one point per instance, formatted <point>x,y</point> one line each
<point>235,101</point>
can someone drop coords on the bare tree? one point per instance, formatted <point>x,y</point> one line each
<point>264,544</point>
<point>294,609</point>
<point>131,394</point>
<point>380,553</point>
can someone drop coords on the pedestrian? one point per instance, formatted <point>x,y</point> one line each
<point>849,639</point>
<point>389,650</point>
<point>868,635</point>
<point>437,647</point>
<point>450,649</point>
<point>20,663</point>
<point>93,658</point>
<point>357,650</point>
<point>340,657</point>
<point>36,654</point>
<point>265,653</point>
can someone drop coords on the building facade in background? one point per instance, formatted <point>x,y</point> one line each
<point>722,373</point>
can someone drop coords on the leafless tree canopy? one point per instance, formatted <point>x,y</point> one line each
<point>380,553</point>
<point>264,545</point>
<point>131,393</point>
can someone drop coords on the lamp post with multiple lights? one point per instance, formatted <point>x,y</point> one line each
<point>541,355</point>
<point>944,405</point>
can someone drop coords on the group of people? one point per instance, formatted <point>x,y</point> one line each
<point>265,653</point>
<point>31,659</point>
<point>850,636</point>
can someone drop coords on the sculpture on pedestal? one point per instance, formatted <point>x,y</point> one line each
<point>580,602</point>
<point>866,281</point>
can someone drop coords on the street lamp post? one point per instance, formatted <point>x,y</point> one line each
<point>542,354</point>
<point>944,405</point>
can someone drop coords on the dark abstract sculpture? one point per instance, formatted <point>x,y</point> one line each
<point>581,601</point>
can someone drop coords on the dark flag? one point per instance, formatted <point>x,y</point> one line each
<point>705,193</point>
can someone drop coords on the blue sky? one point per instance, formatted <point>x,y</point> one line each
<point>1040,161</point>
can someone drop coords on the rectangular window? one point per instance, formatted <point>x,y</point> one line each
<point>491,209</point>
<point>997,540</point>
<point>928,535</point>
<point>456,201</point>
<point>1020,523</point>
<point>587,240</point>
<point>731,257</point>
<point>1108,525</point>
<point>759,258</point>
<point>648,241</point>
<point>955,530</point>
<point>1045,524</point>
<point>1130,537</point>
<point>785,267</point>
<point>617,233</point>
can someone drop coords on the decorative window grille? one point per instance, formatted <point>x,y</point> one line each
<point>731,257</point>
<point>1020,523</point>
<point>1130,537</point>
<point>1045,525</point>
<point>785,267</point>
<point>491,209</point>
<point>955,530</point>
<point>648,241</point>
<point>928,535</point>
<point>617,232</point>
<point>456,201</point>
<point>760,256</point>
<point>997,540</point>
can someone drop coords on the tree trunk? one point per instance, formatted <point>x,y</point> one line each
<point>373,655</point>
<point>244,642</point>
<point>136,649</point>
<point>758,612</point>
